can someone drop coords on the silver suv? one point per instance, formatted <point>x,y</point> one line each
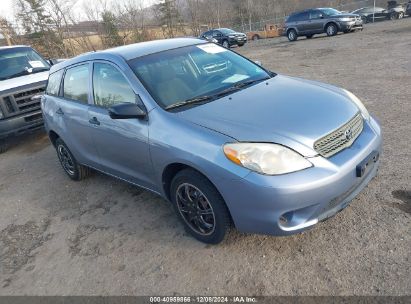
<point>321,20</point>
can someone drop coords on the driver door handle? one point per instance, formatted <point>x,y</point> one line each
<point>94,121</point>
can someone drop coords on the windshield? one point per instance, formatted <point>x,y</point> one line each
<point>194,72</point>
<point>15,62</point>
<point>226,31</point>
<point>330,11</point>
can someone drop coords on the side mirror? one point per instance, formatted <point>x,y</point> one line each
<point>321,16</point>
<point>127,111</point>
<point>258,62</point>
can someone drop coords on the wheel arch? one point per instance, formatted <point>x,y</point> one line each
<point>172,169</point>
<point>332,22</point>
<point>292,29</point>
<point>53,137</point>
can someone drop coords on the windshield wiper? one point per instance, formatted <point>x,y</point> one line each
<point>190,101</point>
<point>243,84</point>
<point>25,72</point>
<point>200,99</point>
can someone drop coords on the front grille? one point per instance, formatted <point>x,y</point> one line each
<point>341,138</point>
<point>9,104</point>
<point>24,102</point>
<point>34,117</point>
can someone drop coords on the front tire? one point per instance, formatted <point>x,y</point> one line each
<point>292,35</point>
<point>70,165</point>
<point>199,206</point>
<point>226,44</point>
<point>331,29</point>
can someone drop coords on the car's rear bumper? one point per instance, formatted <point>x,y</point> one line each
<point>21,124</point>
<point>290,203</point>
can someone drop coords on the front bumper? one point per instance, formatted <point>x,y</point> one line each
<point>351,25</point>
<point>290,203</point>
<point>21,124</point>
<point>236,41</point>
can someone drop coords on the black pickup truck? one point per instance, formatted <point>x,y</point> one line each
<point>23,77</point>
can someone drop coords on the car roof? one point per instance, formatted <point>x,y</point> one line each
<point>14,47</point>
<point>131,51</point>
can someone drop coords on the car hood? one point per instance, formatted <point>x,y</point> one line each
<point>344,15</point>
<point>11,84</point>
<point>285,110</point>
<point>237,34</point>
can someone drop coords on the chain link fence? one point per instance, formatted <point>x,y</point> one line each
<point>279,20</point>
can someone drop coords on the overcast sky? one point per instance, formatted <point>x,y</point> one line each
<point>6,7</point>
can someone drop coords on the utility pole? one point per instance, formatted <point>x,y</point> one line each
<point>373,14</point>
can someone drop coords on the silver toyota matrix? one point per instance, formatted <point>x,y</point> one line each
<point>226,141</point>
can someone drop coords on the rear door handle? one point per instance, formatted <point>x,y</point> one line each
<point>94,121</point>
<point>60,111</point>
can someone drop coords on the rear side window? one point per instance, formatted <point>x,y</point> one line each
<point>110,87</point>
<point>303,16</point>
<point>76,82</point>
<point>298,17</point>
<point>315,14</point>
<point>53,85</point>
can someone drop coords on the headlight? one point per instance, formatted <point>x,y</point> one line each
<point>344,19</point>
<point>359,104</point>
<point>270,159</point>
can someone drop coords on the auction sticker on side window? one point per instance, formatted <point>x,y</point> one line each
<point>36,64</point>
<point>211,48</point>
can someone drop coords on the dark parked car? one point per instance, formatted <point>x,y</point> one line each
<point>321,20</point>
<point>23,77</point>
<point>408,9</point>
<point>368,14</point>
<point>226,37</point>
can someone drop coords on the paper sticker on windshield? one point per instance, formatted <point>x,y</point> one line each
<point>211,48</point>
<point>36,64</point>
<point>235,78</point>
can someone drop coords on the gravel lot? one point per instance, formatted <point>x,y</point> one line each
<point>104,237</point>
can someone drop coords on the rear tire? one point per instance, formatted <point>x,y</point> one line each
<point>255,38</point>
<point>292,35</point>
<point>199,206</point>
<point>331,29</point>
<point>400,15</point>
<point>70,165</point>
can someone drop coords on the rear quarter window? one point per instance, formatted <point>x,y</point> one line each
<point>53,85</point>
